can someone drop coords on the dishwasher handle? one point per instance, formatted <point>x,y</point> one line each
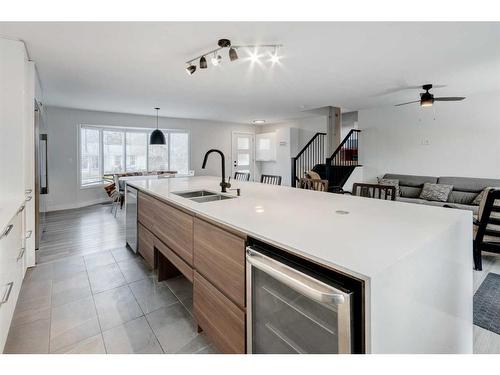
<point>300,282</point>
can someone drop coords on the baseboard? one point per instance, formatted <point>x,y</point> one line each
<point>60,207</point>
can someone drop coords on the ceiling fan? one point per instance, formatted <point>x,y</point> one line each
<point>427,99</point>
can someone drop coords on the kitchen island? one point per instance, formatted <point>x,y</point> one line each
<point>415,262</point>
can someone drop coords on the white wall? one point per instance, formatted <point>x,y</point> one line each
<point>63,124</point>
<point>293,135</point>
<point>462,140</point>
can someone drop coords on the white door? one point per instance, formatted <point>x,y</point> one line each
<point>243,153</point>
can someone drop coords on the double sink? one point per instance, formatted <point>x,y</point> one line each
<point>202,196</point>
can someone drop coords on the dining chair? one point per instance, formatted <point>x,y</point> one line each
<point>386,192</point>
<point>313,184</point>
<point>270,179</point>
<point>240,176</point>
<point>486,229</point>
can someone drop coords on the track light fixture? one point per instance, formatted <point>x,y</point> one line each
<point>203,62</point>
<point>191,69</point>
<point>216,60</point>
<point>233,54</point>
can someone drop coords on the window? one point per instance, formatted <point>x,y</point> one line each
<point>90,156</point>
<point>137,151</point>
<point>113,151</point>
<point>106,150</point>
<point>179,155</point>
<point>158,156</point>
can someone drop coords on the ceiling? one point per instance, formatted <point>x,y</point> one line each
<point>133,67</point>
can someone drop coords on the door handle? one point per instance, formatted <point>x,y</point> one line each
<point>28,198</point>
<point>7,293</point>
<point>21,254</point>
<point>29,233</point>
<point>300,282</point>
<point>7,231</point>
<point>28,191</point>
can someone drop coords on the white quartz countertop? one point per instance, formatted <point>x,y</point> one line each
<point>372,237</point>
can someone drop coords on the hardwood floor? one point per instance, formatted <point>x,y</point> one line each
<point>81,231</point>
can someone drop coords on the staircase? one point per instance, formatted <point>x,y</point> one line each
<point>336,169</point>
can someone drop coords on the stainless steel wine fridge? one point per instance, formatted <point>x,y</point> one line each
<point>295,306</point>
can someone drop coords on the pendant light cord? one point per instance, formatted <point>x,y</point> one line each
<point>157,109</point>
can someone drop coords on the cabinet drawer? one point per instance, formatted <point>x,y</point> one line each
<point>222,320</point>
<point>220,257</point>
<point>146,245</point>
<point>172,226</point>
<point>181,265</point>
<point>145,210</point>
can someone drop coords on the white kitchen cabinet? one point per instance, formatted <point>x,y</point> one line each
<point>265,149</point>
<point>12,267</point>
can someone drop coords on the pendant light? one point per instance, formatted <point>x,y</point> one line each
<point>157,137</point>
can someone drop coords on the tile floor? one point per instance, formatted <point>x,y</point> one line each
<point>106,302</point>
<point>486,342</point>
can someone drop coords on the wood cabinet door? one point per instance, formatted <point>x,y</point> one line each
<point>146,210</point>
<point>146,245</point>
<point>220,257</point>
<point>223,321</point>
<point>175,228</point>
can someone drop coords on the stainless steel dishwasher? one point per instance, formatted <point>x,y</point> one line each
<point>295,306</point>
<point>131,217</point>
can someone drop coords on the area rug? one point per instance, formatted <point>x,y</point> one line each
<point>487,304</point>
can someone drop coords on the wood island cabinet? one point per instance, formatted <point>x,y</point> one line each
<point>209,255</point>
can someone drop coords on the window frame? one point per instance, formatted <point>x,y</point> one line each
<point>125,130</point>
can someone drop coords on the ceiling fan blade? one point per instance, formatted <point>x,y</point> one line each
<point>449,99</point>
<point>415,101</point>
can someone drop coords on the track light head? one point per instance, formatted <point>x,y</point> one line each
<point>216,60</point>
<point>191,69</point>
<point>203,62</point>
<point>233,55</point>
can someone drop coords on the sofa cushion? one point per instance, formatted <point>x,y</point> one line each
<point>411,200</point>
<point>409,191</point>
<point>410,180</point>
<point>390,182</point>
<point>461,197</point>
<point>470,184</point>
<point>436,192</point>
<point>477,200</point>
<point>468,207</point>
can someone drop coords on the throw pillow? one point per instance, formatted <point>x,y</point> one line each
<point>479,197</point>
<point>390,182</point>
<point>436,192</point>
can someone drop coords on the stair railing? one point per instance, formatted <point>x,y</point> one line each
<point>346,153</point>
<point>311,154</point>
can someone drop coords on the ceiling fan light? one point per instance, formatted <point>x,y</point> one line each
<point>426,100</point>
<point>233,55</point>
<point>203,63</point>
<point>191,69</point>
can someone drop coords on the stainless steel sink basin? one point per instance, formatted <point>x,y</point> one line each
<point>211,198</point>
<point>194,194</point>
